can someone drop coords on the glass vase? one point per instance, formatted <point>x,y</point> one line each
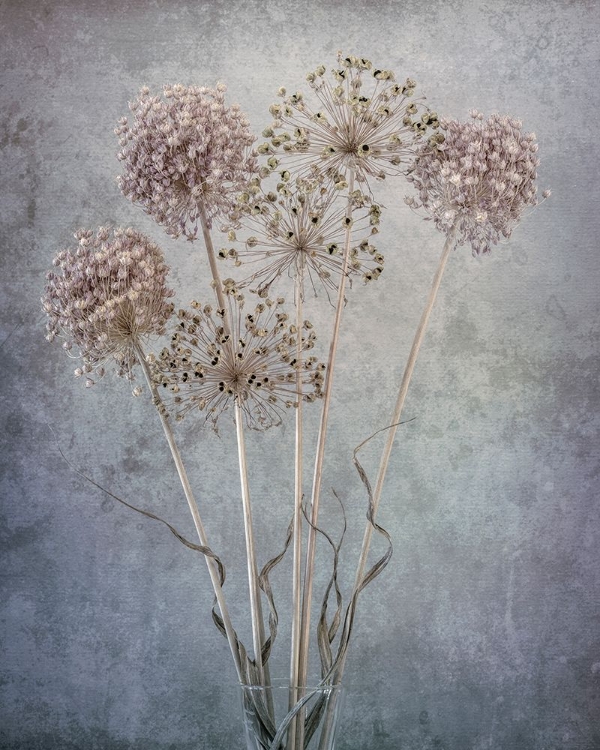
<point>279,718</point>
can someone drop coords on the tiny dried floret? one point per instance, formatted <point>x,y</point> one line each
<point>185,153</point>
<point>477,179</point>
<point>109,296</point>
<point>219,357</point>
<point>363,119</point>
<point>301,230</point>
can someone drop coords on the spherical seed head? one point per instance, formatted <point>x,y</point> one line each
<point>477,177</point>
<point>362,119</point>
<point>183,151</point>
<point>110,296</point>
<point>221,357</point>
<point>301,230</point>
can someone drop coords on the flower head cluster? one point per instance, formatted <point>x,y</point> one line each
<point>301,230</point>
<point>479,181</point>
<point>110,294</point>
<point>218,357</point>
<point>363,120</point>
<point>185,154</point>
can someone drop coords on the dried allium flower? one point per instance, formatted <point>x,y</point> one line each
<point>111,295</point>
<point>363,119</point>
<point>218,357</point>
<point>184,152</point>
<point>479,180</point>
<point>301,230</point>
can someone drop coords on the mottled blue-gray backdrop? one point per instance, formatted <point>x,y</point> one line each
<point>484,631</point>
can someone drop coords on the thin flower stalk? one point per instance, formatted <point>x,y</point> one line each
<point>298,499</point>
<point>320,454</point>
<point>212,258</point>
<point>449,245</point>
<point>258,634</point>
<point>210,563</point>
<point>385,458</point>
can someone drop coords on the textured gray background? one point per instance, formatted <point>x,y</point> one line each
<point>484,630</point>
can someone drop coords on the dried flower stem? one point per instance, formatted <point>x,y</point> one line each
<point>258,634</point>
<point>391,433</point>
<point>212,260</point>
<point>212,568</point>
<point>318,471</point>
<point>255,605</point>
<point>297,549</point>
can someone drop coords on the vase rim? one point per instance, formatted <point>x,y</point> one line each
<point>278,683</point>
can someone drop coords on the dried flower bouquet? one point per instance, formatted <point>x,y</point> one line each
<point>300,205</point>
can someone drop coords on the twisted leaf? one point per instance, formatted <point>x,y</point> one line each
<point>206,551</point>
<point>327,632</point>
<point>265,585</point>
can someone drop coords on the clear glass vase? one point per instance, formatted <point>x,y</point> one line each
<point>279,718</point>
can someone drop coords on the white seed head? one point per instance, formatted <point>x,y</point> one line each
<point>249,358</point>
<point>362,119</point>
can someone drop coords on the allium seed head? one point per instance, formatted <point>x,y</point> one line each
<point>300,230</point>
<point>220,357</point>
<point>476,178</point>
<point>363,120</point>
<point>110,295</point>
<point>184,152</point>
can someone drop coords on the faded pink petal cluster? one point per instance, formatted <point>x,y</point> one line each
<point>110,294</point>
<point>479,180</point>
<point>184,154</point>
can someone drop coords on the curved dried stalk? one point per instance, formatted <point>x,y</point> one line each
<point>337,666</point>
<point>204,549</point>
<point>186,542</point>
<point>265,585</point>
<point>326,632</point>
